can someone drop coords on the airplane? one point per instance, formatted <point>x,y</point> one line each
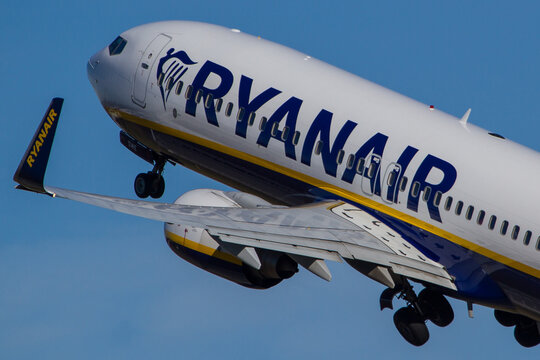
<point>327,166</point>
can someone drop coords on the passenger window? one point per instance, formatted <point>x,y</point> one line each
<point>178,86</point>
<point>295,138</point>
<point>538,244</point>
<point>427,193</point>
<point>371,170</point>
<point>240,114</point>
<point>170,83</point>
<point>527,238</point>
<point>189,92</point>
<point>469,213</point>
<point>448,203</point>
<point>504,227</point>
<point>229,109</point>
<point>515,232</point>
<point>209,100</point>
<point>392,178</point>
<point>285,133</point>
<point>262,124</point>
<point>459,207</point>
<point>360,166</point>
<point>437,198</point>
<point>251,118</point>
<point>198,96</point>
<point>415,189</point>
<point>340,155</point>
<point>219,104</point>
<point>480,217</point>
<point>274,129</point>
<point>403,183</point>
<point>318,147</point>
<point>350,161</point>
<point>492,222</point>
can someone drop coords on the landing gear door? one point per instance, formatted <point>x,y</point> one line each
<point>142,74</point>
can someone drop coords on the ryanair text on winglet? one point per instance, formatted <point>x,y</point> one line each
<point>51,117</point>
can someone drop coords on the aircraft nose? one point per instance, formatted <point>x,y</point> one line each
<point>91,68</point>
<point>108,73</point>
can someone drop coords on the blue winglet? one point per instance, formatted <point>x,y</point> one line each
<point>31,170</point>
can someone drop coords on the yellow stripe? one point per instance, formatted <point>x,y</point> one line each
<point>332,189</point>
<point>190,244</point>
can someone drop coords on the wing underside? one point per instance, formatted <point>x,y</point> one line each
<point>325,231</point>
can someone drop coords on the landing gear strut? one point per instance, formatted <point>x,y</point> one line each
<point>410,321</point>
<point>151,183</point>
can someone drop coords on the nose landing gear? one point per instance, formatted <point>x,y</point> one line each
<point>151,183</point>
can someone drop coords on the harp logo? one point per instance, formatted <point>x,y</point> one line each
<point>170,69</point>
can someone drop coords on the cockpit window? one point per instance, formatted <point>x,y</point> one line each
<point>117,46</point>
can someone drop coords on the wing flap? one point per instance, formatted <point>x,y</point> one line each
<point>281,247</point>
<point>441,279</point>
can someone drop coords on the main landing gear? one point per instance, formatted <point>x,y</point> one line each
<point>151,183</point>
<point>526,330</point>
<point>410,321</point>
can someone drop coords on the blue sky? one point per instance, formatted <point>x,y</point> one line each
<point>81,282</point>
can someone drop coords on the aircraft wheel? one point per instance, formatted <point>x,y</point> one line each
<point>157,185</point>
<point>435,307</point>
<point>142,185</point>
<point>411,326</point>
<point>506,319</point>
<point>526,334</point>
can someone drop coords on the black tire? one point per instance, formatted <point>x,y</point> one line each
<point>158,186</point>
<point>141,185</point>
<point>435,307</point>
<point>527,334</point>
<point>506,319</point>
<point>411,326</point>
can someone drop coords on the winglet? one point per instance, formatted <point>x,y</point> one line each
<point>31,170</point>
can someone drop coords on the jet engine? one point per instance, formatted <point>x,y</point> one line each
<point>229,261</point>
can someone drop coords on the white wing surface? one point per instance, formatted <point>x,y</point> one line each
<point>326,231</point>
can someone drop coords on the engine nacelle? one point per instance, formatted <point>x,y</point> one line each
<point>198,247</point>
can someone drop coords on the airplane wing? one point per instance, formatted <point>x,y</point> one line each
<point>309,234</point>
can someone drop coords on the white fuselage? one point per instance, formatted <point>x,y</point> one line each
<point>492,174</point>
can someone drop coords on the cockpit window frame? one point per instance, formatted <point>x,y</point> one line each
<point>117,46</point>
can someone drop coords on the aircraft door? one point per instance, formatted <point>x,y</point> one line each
<point>142,74</point>
<point>370,180</point>
<point>389,186</point>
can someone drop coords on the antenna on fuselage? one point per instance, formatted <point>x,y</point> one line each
<point>465,117</point>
